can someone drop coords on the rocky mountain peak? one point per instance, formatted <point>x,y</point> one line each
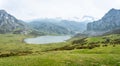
<point>112,13</point>
<point>9,24</point>
<point>3,11</point>
<point>110,21</point>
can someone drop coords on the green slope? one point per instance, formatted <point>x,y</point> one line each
<point>14,52</point>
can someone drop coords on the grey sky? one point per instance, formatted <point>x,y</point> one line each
<point>67,9</point>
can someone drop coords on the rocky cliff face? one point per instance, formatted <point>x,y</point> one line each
<point>9,24</point>
<point>109,22</point>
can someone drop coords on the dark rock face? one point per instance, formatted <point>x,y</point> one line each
<point>109,22</point>
<point>9,24</point>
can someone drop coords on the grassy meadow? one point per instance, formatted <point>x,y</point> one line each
<point>14,52</point>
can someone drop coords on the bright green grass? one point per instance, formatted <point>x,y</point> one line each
<point>95,39</point>
<point>10,42</point>
<point>101,56</point>
<point>63,58</point>
<point>100,39</point>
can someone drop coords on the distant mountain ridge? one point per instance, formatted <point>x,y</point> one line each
<point>58,26</point>
<point>49,28</point>
<point>10,24</point>
<point>76,27</point>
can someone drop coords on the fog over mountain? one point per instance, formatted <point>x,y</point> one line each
<point>10,24</point>
<point>72,9</point>
<point>60,26</point>
<point>59,32</point>
<point>58,16</point>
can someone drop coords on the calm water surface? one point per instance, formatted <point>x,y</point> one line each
<point>47,39</point>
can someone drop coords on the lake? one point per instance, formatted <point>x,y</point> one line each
<point>47,39</point>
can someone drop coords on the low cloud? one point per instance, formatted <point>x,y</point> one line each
<point>30,9</point>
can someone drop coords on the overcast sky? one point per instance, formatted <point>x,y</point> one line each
<point>31,9</point>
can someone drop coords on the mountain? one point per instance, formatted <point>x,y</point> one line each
<point>76,27</point>
<point>9,24</point>
<point>58,26</point>
<point>110,21</point>
<point>115,31</point>
<point>49,28</point>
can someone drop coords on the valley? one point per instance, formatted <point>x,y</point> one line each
<point>81,41</point>
<point>13,51</point>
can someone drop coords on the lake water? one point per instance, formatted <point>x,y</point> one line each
<point>47,39</point>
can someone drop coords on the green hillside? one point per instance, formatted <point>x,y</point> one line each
<point>14,52</point>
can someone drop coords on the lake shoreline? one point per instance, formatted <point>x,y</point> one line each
<point>46,39</point>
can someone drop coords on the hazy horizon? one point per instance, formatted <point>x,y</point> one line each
<point>72,9</point>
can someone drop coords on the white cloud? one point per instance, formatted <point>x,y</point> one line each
<point>29,9</point>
